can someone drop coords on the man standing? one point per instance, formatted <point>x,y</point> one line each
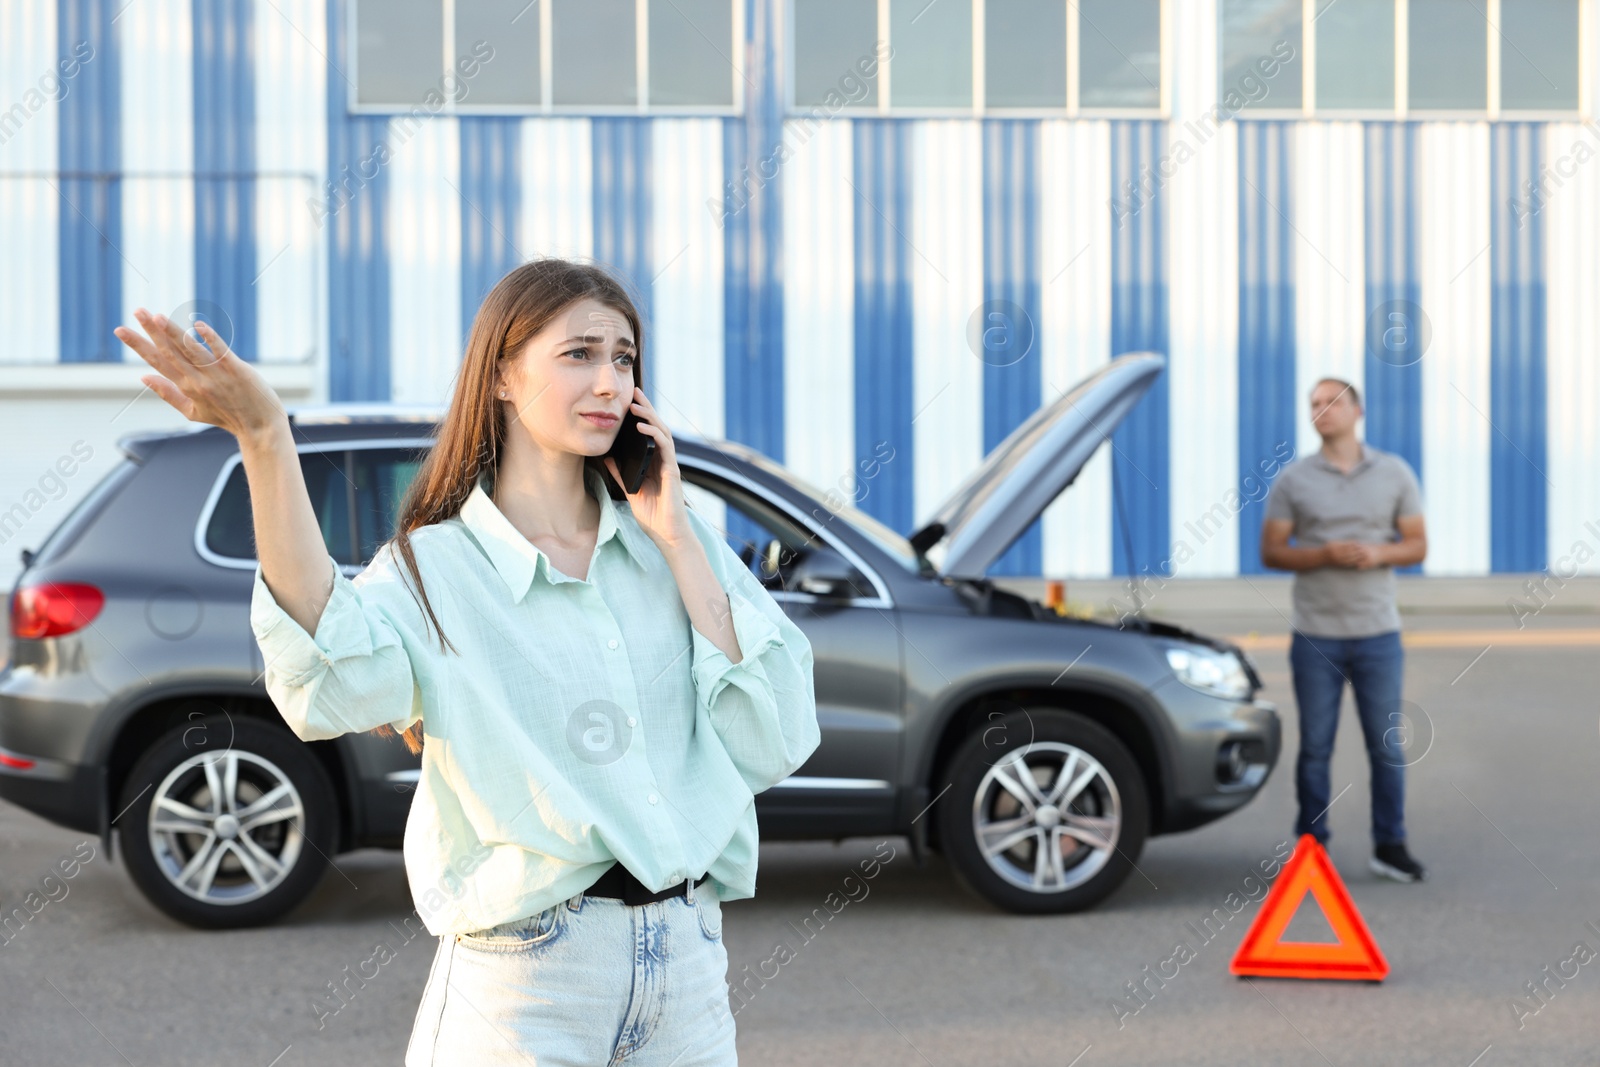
<point>1345,506</point>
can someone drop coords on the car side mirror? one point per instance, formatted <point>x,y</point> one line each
<point>822,572</point>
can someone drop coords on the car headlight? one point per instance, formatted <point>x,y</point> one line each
<point>1210,671</point>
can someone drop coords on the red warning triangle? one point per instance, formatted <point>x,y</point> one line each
<point>1264,952</point>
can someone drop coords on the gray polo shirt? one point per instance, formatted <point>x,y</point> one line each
<point>1326,504</point>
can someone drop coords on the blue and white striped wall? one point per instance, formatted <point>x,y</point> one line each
<point>825,318</point>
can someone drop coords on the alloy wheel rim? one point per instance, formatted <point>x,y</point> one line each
<point>226,828</point>
<point>1047,817</point>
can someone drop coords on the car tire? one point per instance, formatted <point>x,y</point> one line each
<point>994,840</point>
<point>223,865</point>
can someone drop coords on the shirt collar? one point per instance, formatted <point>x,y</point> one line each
<point>516,558</point>
<point>1367,456</point>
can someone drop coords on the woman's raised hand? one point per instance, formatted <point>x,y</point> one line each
<point>215,387</point>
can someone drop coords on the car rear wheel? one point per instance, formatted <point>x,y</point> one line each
<point>1046,813</point>
<point>227,823</point>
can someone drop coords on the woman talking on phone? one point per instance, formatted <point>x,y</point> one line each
<point>597,691</point>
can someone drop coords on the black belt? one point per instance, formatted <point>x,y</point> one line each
<point>619,882</point>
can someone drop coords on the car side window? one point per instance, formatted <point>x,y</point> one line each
<point>381,477</point>
<point>231,531</point>
<point>750,526</point>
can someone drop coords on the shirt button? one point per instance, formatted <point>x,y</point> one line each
<point>632,721</point>
<point>611,643</point>
<point>652,798</point>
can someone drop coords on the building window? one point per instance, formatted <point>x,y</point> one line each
<point>547,56</point>
<point>1262,48</point>
<point>1355,55</point>
<point>398,50</point>
<point>1119,54</point>
<point>932,53</point>
<point>964,57</point>
<point>1538,55</point>
<point>831,37</point>
<point>1447,56</point>
<point>1025,53</point>
<point>1399,58</point>
<point>592,59</point>
<point>692,51</point>
<point>514,35</point>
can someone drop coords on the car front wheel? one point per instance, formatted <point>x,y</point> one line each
<point>1046,812</point>
<point>227,822</point>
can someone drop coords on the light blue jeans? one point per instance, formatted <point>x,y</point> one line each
<point>586,982</point>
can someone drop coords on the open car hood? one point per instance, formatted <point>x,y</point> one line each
<point>1030,468</point>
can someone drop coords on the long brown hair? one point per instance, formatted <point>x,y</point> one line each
<point>468,439</point>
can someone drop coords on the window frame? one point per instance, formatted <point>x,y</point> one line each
<point>710,470</point>
<point>1401,111</point>
<point>757,509</point>
<point>884,108</point>
<point>641,9</point>
<point>695,467</point>
<point>341,447</point>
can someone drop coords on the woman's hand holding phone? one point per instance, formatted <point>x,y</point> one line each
<point>658,505</point>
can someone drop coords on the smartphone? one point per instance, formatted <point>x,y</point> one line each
<point>633,452</point>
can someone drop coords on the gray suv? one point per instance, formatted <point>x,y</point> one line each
<point>1042,749</point>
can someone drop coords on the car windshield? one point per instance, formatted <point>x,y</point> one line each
<point>894,546</point>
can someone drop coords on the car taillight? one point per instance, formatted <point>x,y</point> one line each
<point>53,609</point>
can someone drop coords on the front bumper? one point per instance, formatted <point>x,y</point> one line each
<point>1204,724</point>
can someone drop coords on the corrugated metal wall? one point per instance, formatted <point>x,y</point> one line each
<point>876,304</point>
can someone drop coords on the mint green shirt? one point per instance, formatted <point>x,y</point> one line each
<point>582,721</point>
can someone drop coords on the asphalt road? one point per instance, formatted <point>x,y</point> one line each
<point>1502,805</point>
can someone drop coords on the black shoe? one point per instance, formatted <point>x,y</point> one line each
<point>1393,861</point>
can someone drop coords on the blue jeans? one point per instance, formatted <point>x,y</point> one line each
<point>1373,666</point>
<point>588,981</point>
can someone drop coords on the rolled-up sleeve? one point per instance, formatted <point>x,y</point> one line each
<point>353,674</point>
<point>763,708</point>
